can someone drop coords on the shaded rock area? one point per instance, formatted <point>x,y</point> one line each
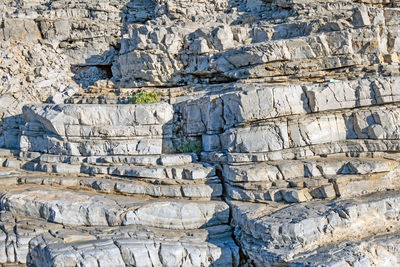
<point>295,105</point>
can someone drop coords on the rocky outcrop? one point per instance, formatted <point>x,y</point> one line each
<point>92,130</point>
<point>295,105</point>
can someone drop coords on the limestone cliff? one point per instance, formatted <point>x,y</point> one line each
<point>295,105</point>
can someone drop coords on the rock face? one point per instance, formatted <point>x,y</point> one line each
<point>295,105</point>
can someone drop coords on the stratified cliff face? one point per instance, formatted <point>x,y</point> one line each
<point>295,104</point>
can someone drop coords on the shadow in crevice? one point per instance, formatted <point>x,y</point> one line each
<point>135,15</point>
<point>88,75</point>
<point>261,20</point>
<point>11,127</point>
<point>105,66</point>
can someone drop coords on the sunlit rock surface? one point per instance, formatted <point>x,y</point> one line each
<point>276,141</point>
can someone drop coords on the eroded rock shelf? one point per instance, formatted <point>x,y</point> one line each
<point>276,140</point>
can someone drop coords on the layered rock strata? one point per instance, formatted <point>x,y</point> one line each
<point>295,103</point>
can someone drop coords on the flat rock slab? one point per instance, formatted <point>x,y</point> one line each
<point>153,188</point>
<point>190,171</point>
<point>359,147</point>
<point>251,103</point>
<point>80,208</point>
<point>41,243</point>
<point>49,251</point>
<point>313,129</point>
<point>187,172</point>
<point>128,146</point>
<point>318,167</point>
<point>283,231</point>
<point>204,189</point>
<point>383,250</point>
<point>303,180</point>
<point>139,160</point>
<point>55,117</point>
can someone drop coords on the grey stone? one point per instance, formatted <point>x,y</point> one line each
<point>296,195</point>
<point>285,240</point>
<point>294,101</point>
<point>118,249</point>
<point>63,207</point>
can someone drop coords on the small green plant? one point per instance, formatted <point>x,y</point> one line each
<point>144,97</point>
<point>189,146</point>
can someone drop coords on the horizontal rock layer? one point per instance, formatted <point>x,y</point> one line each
<point>283,233</point>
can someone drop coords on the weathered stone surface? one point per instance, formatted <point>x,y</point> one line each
<point>295,105</point>
<point>147,160</point>
<point>56,118</point>
<point>317,167</point>
<point>42,243</point>
<point>292,132</point>
<point>149,187</point>
<point>209,246</point>
<point>379,251</point>
<point>178,172</point>
<point>73,208</point>
<point>281,238</point>
<point>260,102</point>
<point>97,129</point>
<point>125,252</point>
<point>348,147</point>
<point>51,144</point>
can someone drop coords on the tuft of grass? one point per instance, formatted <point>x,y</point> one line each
<point>189,146</point>
<point>144,97</point>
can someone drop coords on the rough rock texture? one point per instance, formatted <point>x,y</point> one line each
<point>295,104</point>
